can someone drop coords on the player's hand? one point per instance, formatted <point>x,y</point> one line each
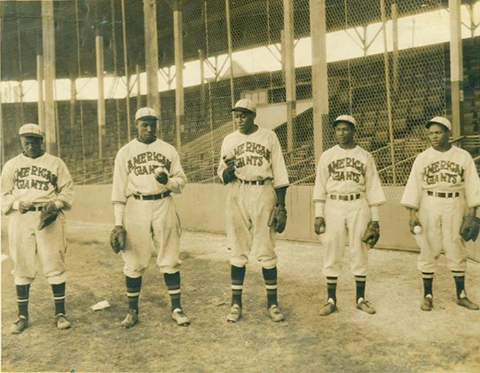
<point>413,222</point>
<point>160,175</point>
<point>319,225</point>
<point>24,207</point>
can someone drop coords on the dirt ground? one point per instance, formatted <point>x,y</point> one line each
<point>399,338</point>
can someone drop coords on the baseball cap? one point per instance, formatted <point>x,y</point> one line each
<point>245,105</point>
<point>440,120</point>
<point>31,129</point>
<point>345,118</point>
<point>145,112</point>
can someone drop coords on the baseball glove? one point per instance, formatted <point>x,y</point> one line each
<point>48,215</point>
<point>160,175</point>
<point>470,228</point>
<point>118,238</point>
<point>372,234</point>
<point>278,218</point>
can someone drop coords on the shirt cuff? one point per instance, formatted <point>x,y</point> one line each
<point>59,204</point>
<point>119,209</point>
<point>319,207</point>
<point>15,205</point>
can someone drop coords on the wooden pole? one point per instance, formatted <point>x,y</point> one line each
<point>73,100</point>
<point>179,94</point>
<point>48,32</point>
<point>395,46</point>
<point>139,87</point>
<point>319,72</point>
<point>151,55</point>
<point>127,73</point>
<point>40,104</point>
<point>2,139</point>
<point>387,86</point>
<point>456,66</point>
<point>101,95</point>
<point>230,57</point>
<point>289,71</point>
<point>201,58</point>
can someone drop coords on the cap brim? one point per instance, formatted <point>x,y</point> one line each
<point>31,135</point>
<point>243,110</point>
<point>343,121</point>
<point>148,118</point>
<point>441,124</point>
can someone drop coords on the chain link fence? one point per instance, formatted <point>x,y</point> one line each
<point>390,91</point>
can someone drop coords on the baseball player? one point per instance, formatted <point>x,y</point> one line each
<point>147,171</point>
<point>442,195</point>
<point>252,164</point>
<point>32,183</point>
<point>347,195</point>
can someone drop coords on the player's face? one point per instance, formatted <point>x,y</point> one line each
<point>146,130</point>
<point>344,133</point>
<point>32,146</point>
<point>438,136</point>
<point>244,121</point>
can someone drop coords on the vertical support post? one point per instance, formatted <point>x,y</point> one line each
<point>101,95</point>
<point>151,55</point>
<point>73,100</point>
<point>179,95</point>
<point>48,32</point>
<point>289,71</point>
<point>2,138</point>
<point>456,66</point>
<point>40,104</point>
<point>139,87</point>
<point>201,59</point>
<point>318,27</point>
<point>125,63</point>
<point>394,13</point>
<point>387,86</point>
<point>230,56</point>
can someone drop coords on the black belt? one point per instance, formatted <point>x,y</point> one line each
<point>152,197</point>
<point>348,197</point>
<point>254,182</point>
<point>443,194</point>
<point>35,208</point>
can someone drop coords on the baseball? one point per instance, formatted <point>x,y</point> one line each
<point>159,170</point>
<point>417,229</point>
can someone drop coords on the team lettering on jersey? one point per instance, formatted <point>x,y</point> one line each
<point>254,160</point>
<point>443,171</point>
<point>23,180</point>
<point>337,171</point>
<point>138,166</point>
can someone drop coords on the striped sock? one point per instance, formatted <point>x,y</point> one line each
<point>172,280</point>
<point>59,297</point>
<point>270,277</point>
<point>134,286</point>
<point>427,283</point>
<point>360,282</point>
<point>237,277</point>
<point>332,288</point>
<point>23,292</point>
<point>459,277</point>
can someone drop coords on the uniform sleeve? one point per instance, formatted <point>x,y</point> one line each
<point>177,178</point>
<point>120,179</point>
<point>321,177</point>
<point>472,184</point>
<point>221,165</point>
<point>374,191</point>
<point>279,170</point>
<point>413,190</point>
<point>8,184</point>
<point>65,186</point>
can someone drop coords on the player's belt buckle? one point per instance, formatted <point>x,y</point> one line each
<point>254,182</point>
<point>152,197</point>
<point>348,197</point>
<point>443,194</point>
<point>35,208</point>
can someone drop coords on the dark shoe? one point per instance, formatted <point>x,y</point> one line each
<point>329,308</point>
<point>20,324</point>
<point>465,302</point>
<point>131,319</point>
<point>180,317</point>
<point>275,313</point>
<point>235,313</point>
<point>427,304</point>
<point>364,306</point>
<point>62,322</point>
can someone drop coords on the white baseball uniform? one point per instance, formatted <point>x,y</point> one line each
<point>259,170</point>
<point>441,186</point>
<point>150,212</point>
<point>36,181</point>
<point>347,182</point>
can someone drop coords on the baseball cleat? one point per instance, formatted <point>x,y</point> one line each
<point>328,308</point>
<point>364,306</point>
<point>180,317</point>
<point>131,319</point>
<point>465,302</point>
<point>235,313</point>
<point>427,304</point>
<point>275,313</point>
<point>20,324</point>
<point>62,322</point>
